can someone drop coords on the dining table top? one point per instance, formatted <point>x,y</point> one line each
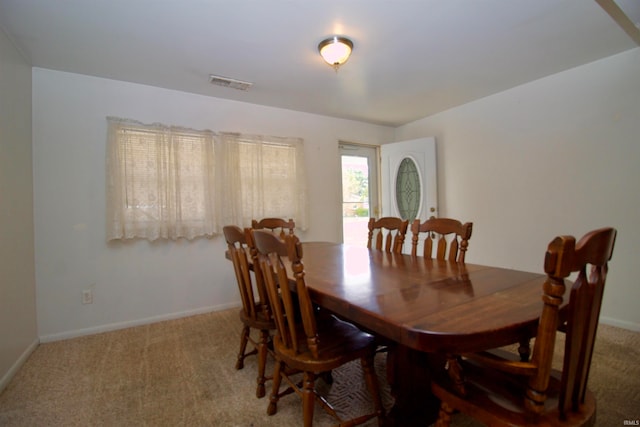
<point>428,305</point>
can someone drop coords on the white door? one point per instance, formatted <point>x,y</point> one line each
<point>409,181</point>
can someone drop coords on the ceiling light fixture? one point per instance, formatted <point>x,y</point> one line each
<point>335,50</point>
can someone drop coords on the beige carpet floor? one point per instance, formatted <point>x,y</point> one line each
<point>181,373</point>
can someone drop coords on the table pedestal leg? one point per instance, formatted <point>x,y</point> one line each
<point>409,376</point>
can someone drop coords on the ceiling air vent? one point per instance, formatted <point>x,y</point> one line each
<point>227,82</point>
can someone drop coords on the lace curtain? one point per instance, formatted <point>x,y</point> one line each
<point>263,177</point>
<point>171,182</point>
<point>160,181</point>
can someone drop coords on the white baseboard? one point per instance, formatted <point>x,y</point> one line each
<point>123,325</point>
<point>128,324</point>
<point>632,326</point>
<point>16,366</point>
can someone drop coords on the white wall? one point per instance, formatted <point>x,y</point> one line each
<point>560,155</point>
<point>18,334</point>
<point>138,281</point>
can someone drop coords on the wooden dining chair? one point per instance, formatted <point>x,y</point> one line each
<point>389,234</point>
<point>255,312</point>
<point>437,234</point>
<point>444,239</point>
<point>277,226</point>
<point>499,389</point>
<point>303,344</point>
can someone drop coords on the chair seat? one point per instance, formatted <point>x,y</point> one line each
<point>339,342</point>
<point>260,321</point>
<point>498,397</point>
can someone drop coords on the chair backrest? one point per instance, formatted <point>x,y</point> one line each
<point>589,258</point>
<point>253,295</point>
<point>389,234</point>
<point>275,255</point>
<point>440,233</point>
<point>275,224</point>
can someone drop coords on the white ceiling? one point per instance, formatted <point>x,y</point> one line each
<point>411,58</point>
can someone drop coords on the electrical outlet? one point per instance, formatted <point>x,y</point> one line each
<point>87,296</point>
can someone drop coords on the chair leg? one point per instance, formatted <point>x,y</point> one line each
<point>262,362</point>
<point>275,390</point>
<point>368,368</point>
<point>456,374</point>
<point>244,338</point>
<point>327,377</point>
<point>524,349</point>
<point>308,398</point>
<point>444,416</point>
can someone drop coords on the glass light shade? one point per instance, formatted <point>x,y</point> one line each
<point>335,50</point>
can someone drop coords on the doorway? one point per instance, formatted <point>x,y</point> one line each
<point>409,187</point>
<point>359,191</point>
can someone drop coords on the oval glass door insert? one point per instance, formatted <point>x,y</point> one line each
<point>408,189</point>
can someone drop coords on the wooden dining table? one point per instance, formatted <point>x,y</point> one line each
<point>422,309</point>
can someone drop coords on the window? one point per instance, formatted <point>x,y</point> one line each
<point>159,181</point>
<point>172,182</point>
<point>264,177</point>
